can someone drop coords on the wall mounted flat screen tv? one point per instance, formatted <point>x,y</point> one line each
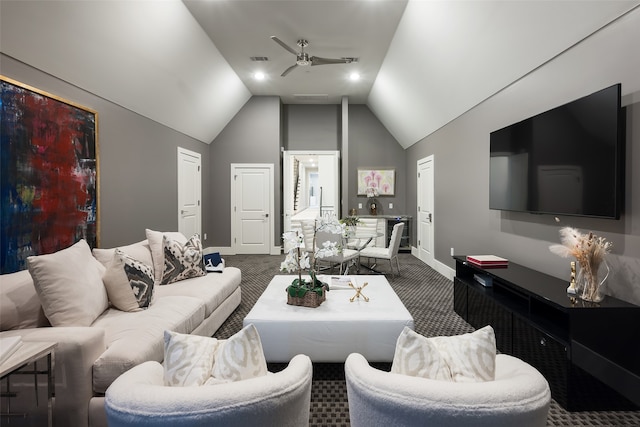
<point>565,161</point>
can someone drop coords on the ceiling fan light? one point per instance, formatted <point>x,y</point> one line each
<point>259,75</point>
<point>354,77</point>
<point>302,59</point>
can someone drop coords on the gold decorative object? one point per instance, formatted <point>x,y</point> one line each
<point>572,282</point>
<point>359,293</point>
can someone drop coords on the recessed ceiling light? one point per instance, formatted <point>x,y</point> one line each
<point>354,76</point>
<point>259,76</point>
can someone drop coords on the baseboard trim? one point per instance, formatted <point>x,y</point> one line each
<point>444,269</point>
<point>438,266</point>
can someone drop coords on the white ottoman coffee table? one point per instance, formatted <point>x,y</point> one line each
<point>335,329</point>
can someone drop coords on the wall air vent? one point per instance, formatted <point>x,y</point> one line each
<point>259,58</point>
<point>311,97</point>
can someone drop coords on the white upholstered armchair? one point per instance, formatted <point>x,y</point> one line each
<point>519,396</point>
<point>139,398</point>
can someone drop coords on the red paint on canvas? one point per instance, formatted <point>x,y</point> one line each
<point>52,191</point>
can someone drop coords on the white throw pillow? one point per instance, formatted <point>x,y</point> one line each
<point>139,250</point>
<point>157,249</point>
<point>462,358</point>
<point>182,261</point>
<point>69,285</point>
<point>417,356</point>
<point>20,306</point>
<point>129,282</point>
<point>191,360</point>
<point>188,359</point>
<point>240,357</point>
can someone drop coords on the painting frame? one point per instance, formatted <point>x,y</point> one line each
<point>50,177</point>
<point>383,179</point>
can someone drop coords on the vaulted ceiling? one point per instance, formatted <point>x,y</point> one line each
<point>187,64</point>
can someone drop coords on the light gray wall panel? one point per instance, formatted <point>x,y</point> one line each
<point>253,136</point>
<point>312,127</point>
<point>372,146</point>
<point>461,148</point>
<point>138,162</point>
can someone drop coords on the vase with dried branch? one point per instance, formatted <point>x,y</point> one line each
<point>590,252</point>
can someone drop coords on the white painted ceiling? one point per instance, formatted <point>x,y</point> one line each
<point>334,29</point>
<point>186,64</point>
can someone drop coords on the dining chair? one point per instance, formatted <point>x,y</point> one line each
<point>391,252</point>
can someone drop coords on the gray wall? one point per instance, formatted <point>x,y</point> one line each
<point>462,217</point>
<point>312,127</point>
<point>138,162</point>
<point>372,146</point>
<point>138,157</point>
<point>252,136</point>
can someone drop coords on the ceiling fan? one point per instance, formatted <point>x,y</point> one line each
<point>303,58</point>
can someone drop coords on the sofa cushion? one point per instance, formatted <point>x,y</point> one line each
<point>69,285</point>
<point>135,337</point>
<point>182,261</point>
<point>462,358</point>
<point>188,359</point>
<point>19,303</point>
<point>212,289</point>
<point>139,250</point>
<point>157,249</point>
<point>129,282</point>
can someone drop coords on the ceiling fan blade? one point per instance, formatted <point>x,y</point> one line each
<point>284,45</point>
<point>288,70</point>
<point>316,60</point>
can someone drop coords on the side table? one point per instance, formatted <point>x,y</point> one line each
<point>30,352</point>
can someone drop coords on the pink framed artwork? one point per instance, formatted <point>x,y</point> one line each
<point>381,181</point>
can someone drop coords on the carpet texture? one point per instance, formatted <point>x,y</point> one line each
<point>429,298</point>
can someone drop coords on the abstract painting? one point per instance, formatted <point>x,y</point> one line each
<point>48,174</point>
<point>382,180</point>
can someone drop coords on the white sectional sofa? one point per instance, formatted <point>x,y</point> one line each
<point>89,358</point>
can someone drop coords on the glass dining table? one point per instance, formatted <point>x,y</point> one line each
<point>359,239</point>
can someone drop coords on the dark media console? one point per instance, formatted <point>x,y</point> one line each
<point>588,352</point>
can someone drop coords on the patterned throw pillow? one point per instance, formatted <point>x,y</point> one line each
<point>182,261</point>
<point>241,357</point>
<point>192,360</point>
<point>417,356</point>
<point>188,359</point>
<point>154,238</point>
<point>463,358</point>
<point>129,282</point>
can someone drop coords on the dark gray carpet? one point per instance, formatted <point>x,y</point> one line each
<point>429,298</point>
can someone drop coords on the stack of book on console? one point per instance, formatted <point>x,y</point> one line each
<point>488,261</point>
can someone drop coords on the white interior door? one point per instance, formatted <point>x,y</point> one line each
<point>328,179</point>
<point>425,210</point>
<point>252,208</point>
<point>189,192</point>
